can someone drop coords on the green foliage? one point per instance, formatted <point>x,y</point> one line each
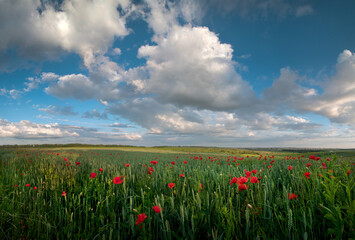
<point>96,208</point>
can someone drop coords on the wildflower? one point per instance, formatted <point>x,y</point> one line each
<point>185,162</point>
<point>65,159</point>
<point>64,193</point>
<point>171,185</point>
<point>35,188</point>
<point>254,180</point>
<point>100,169</point>
<point>173,163</point>
<point>182,175</point>
<point>307,174</point>
<point>127,165</point>
<point>247,174</point>
<point>16,185</point>
<point>242,187</point>
<point>290,167</point>
<point>140,218</point>
<point>117,180</point>
<point>324,166</point>
<point>312,157</point>
<point>292,196</point>
<point>308,164</point>
<point>154,162</point>
<point>348,172</point>
<point>234,180</point>
<point>157,209</point>
<point>28,185</point>
<point>93,175</point>
<point>254,171</point>
<point>77,163</point>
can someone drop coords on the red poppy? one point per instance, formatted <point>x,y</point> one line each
<point>254,180</point>
<point>77,163</point>
<point>307,174</point>
<point>154,162</point>
<point>312,157</point>
<point>28,185</point>
<point>92,175</point>
<point>117,180</point>
<point>171,185</point>
<point>140,218</point>
<point>292,196</point>
<point>185,162</point>
<point>157,209</point>
<point>182,175</point>
<point>324,166</point>
<point>270,166</point>
<point>348,172</point>
<point>100,169</point>
<point>64,193</point>
<point>254,171</point>
<point>234,180</point>
<point>290,167</point>
<point>65,159</point>
<point>247,174</point>
<point>242,180</point>
<point>173,162</point>
<point>308,164</point>
<point>242,187</point>
<point>127,165</point>
<point>16,185</point>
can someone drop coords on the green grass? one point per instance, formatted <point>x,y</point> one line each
<point>95,208</point>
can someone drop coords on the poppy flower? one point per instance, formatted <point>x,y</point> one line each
<point>173,162</point>
<point>127,165</point>
<point>64,193</point>
<point>16,185</point>
<point>247,174</point>
<point>312,157</point>
<point>185,162</point>
<point>307,174</point>
<point>242,187</point>
<point>290,167</point>
<point>77,163</point>
<point>93,175</point>
<point>117,180</point>
<point>182,175</point>
<point>157,209</point>
<point>324,166</point>
<point>292,196</point>
<point>154,162</point>
<point>254,180</point>
<point>348,172</point>
<point>254,171</point>
<point>140,218</point>
<point>100,169</point>
<point>242,180</point>
<point>234,180</point>
<point>35,188</point>
<point>28,185</point>
<point>65,159</point>
<point>171,185</point>
<point>308,164</point>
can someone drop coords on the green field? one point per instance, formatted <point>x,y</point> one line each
<point>51,193</point>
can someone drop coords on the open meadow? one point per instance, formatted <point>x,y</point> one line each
<point>175,193</point>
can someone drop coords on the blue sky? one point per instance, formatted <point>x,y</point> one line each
<point>261,73</point>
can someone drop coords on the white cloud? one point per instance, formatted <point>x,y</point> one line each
<point>304,11</point>
<point>44,28</point>
<point>191,67</point>
<point>27,129</point>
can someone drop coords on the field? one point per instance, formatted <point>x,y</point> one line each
<point>175,193</point>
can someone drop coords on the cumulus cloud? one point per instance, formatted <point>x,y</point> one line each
<point>44,28</point>
<point>30,132</point>
<point>191,67</point>
<point>27,129</point>
<point>336,100</point>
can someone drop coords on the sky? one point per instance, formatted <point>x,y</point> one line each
<point>231,73</point>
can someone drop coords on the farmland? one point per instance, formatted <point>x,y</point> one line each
<point>175,193</point>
